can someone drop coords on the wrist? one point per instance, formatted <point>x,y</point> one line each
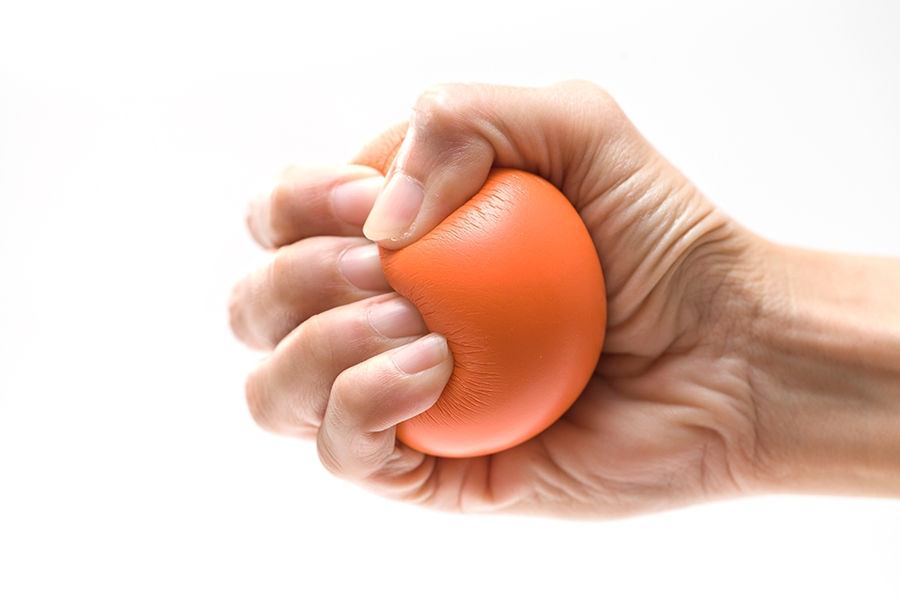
<point>824,364</point>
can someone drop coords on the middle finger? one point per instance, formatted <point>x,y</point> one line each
<point>298,281</point>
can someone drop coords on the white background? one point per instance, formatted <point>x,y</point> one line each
<point>130,139</point>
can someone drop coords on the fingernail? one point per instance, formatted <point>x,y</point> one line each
<point>397,318</point>
<point>422,354</point>
<point>395,209</point>
<point>361,266</point>
<point>353,200</point>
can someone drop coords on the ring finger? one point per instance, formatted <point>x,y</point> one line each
<point>287,392</point>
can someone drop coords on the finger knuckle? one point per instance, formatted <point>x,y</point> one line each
<point>343,401</point>
<point>327,455</point>
<point>442,108</point>
<point>251,220</point>
<point>596,100</point>
<point>355,459</point>
<point>273,298</point>
<point>258,401</point>
<point>236,312</point>
<point>281,202</point>
<point>242,315</point>
<point>583,86</point>
<point>351,395</point>
<point>351,445</point>
<point>316,342</point>
<point>281,278</point>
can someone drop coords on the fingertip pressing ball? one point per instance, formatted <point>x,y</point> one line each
<point>512,280</point>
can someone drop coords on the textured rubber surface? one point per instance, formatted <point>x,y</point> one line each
<point>513,282</point>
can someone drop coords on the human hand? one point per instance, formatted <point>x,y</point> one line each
<point>669,418</point>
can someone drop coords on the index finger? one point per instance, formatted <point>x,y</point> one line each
<point>307,201</point>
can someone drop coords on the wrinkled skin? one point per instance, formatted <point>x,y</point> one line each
<point>670,417</point>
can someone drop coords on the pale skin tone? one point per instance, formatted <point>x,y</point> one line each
<point>732,366</point>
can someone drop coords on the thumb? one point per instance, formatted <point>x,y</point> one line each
<point>441,163</point>
<point>457,132</point>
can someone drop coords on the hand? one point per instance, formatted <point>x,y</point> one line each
<point>671,416</point>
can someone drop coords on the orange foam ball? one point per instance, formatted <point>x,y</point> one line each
<point>512,280</point>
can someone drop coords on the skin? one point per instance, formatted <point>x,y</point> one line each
<point>732,366</point>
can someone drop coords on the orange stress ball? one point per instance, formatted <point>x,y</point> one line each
<point>513,282</point>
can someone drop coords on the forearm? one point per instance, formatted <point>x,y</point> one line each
<point>825,373</point>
